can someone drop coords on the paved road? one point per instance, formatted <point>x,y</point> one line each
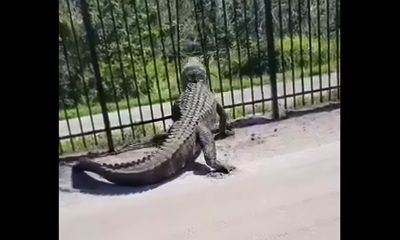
<point>297,198</point>
<point>286,187</point>
<point>247,96</point>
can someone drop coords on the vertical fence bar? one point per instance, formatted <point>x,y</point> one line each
<point>228,56</point>
<point>121,67</point>
<point>178,39</point>
<point>133,65</point>
<point>290,23</point>
<point>328,50</point>
<point>269,30</point>
<point>155,63</point>
<point>60,147</point>
<point>202,40</point>
<point>214,23</point>
<point>91,38</point>
<point>301,52</point>
<point>238,52</point>
<point>248,53</point>
<point>256,9</point>
<point>202,36</point>
<point>144,64</point>
<point>67,121</point>
<point>282,55</point>
<point>85,88</point>
<point>310,50</point>
<point>72,86</point>
<point>171,35</point>
<point>337,48</point>
<point>205,39</point>
<point>319,51</point>
<point>108,60</point>
<point>164,55</point>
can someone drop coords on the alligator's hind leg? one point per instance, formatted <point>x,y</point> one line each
<point>210,154</point>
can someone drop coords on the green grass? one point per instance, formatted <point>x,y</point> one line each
<point>246,81</point>
<point>308,101</point>
<point>248,62</point>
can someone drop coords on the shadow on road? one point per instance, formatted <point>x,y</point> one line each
<point>83,182</point>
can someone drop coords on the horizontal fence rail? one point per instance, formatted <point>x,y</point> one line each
<point>119,61</point>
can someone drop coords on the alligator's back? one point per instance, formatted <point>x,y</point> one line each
<point>195,107</point>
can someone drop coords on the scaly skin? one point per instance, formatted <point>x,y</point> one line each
<point>194,114</point>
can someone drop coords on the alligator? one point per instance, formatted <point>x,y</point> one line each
<point>194,114</point>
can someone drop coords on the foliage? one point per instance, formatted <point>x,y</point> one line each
<point>138,43</point>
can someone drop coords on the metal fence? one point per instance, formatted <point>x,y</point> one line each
<point>119,61</point>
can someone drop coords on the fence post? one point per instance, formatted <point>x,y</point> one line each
<point>91,38</point>
<point>271,58</point>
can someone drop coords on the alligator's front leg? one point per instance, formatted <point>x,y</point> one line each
<point>225,128</point>
<point>175,111</point>
<point>210,154</point>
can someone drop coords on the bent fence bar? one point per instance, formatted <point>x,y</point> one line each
<point>119,61</point>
